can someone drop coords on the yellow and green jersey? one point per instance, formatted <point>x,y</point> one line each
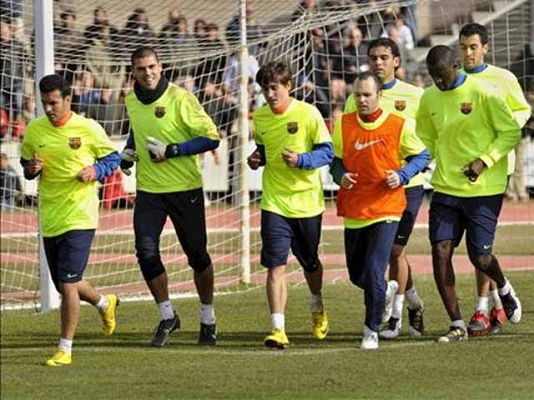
<point>410,145</point>
<point>65,203</point>
<point>290,192</point>
<point>460,125</point>
<point>175,117</point>
<point>398,98</point>
<point>505,84</point>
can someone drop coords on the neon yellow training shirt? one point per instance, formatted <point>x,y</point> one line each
<point>290,192</point>
<point>175,117</point>
<point>65,203</point>
<point>460,125</point>
<point>402,99</point>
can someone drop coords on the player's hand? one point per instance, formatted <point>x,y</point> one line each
<point>88,174</point>
<point>392,179</point>
<point>473,170</point>
<point>35,166</point>
<point>348,180</point>
<point>254,160</point>
<point>156,148</point>
<point>128,158</point>
<point>290,158</point>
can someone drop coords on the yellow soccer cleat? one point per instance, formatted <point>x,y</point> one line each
<point>108,317</point>
<point>59,359</point>
<point>276,340</point>
<point>319,325</point>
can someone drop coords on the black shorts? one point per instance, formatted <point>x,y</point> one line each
<point>187,214</point>
<point>279,234</point>
<point>67,255</point>
<point>414,199</point>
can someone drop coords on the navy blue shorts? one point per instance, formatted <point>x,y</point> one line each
<point>450,216</point>
<point>414,198</point>
<point>279,234</point>
<point>187,214</point>
<point>67,255</point>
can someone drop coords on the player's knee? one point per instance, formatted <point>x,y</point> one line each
<point>200,263</point>
<point>443,250</point>
<point>312,266</point>
<point>149,259</point>
<point>480,261</point>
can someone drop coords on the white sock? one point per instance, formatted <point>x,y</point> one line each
<point>505,289</point>
<point>65,345</point>
<point>165,310</point>
<point>207,314</point>
<point>497,303</point>
<point>413,299</point>
<point>398,303</point>
<point>102,304</point>
<point>316,303</point>
<point>458,323</point>
<point>483,305</point>
<point>279,321</point>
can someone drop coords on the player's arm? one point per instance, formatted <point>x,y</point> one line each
<point>322,152</point>
<point>413,151</point>
<point>505,126</point>
<point>32,164</point>
<point>200,127</point>
<point>425,127</point>
<point>517,102</point>
<point>107,157</point>
<point>337,169</point>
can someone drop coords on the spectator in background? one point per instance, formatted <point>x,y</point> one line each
<point>306,7</point>
<point>99,57</point>
<point>254,31</point>
<point>174,15</point>
<point>171,38</point>
<point>406,38</point>
<point>10,186</point>
<point>100,21</point>
<point>84,94</point>
<point>199,30</point>
<point>13,61</point>
<point>66,39</point>
<point>212,67</point>
<point>137,32</point>
<point>353,58</point>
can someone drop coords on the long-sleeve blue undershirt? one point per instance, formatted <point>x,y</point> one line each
<point>415,164</point>
<point>322,154</point>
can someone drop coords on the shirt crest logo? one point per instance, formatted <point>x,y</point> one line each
<point>292,127</point>
<point>75,143</point>
<point>400,105</point>
<point>466,108</point>
<point>159,111</point>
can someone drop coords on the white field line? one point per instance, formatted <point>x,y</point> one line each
<point>261,351</point>
<point>169,231</point>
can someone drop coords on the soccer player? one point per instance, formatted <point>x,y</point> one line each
<point>69,153</point>
<point>170,128</point>
<point>293,142</point>
<point>468,131</point>
<point>402,99</point>
<point>369,146</point>
<point>474,46</point>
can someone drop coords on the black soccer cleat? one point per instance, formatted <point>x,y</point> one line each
<point>417,324</point>
<point>207,335</point>
<point>164,329</point>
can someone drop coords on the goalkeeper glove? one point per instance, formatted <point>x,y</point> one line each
<point>128,157</point>
<point>160,151</point>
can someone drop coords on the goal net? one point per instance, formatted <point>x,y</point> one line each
<point>198,42</point>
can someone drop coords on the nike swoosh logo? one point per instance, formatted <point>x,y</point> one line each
<point>434,113</point>
<point>401,236</point>
<point>42,145</point>
<point>72,275</point>
<point>194,200</point>
<point>486,246</point>
<point>361,146</point>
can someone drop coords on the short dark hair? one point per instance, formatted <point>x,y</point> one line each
<point>384,42</point>
<point>440,55</point>
<point>49,83</point>
<point>369,75</point>
<point>475,29</point>
<point>274,71</point>
<point>143,52</point>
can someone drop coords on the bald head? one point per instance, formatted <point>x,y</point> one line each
<point>441,65</point>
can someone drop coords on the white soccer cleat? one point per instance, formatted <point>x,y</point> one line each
<point>392,287</point>
<point>369,340</point>
<point>512,306</point>
<point>393,329</point>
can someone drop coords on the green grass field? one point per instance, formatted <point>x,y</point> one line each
<point>124,367</point>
